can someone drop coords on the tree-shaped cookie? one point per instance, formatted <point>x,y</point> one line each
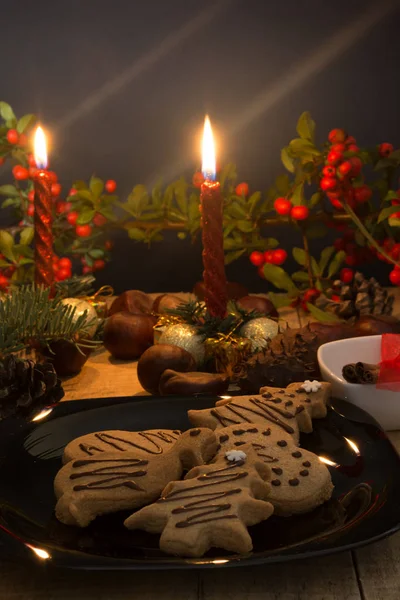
<point>211,507</point>
<point>299,481</point>
<point>110,481</point>
<point>143,443</point>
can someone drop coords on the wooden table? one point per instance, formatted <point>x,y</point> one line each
<point>371,573</point>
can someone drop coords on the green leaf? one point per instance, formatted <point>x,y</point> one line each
<point>300,256</point>
<point>279,300</point>
<point>8,190</point>
<point>315,199</point>
<point>6,111</point>
<point>10,202</point>
<point>302,148</point>
<point>271,243</point>
<point>278,277</point>
<point>395,155</point>
<point>96,253</point>
<point>298,195</point>
<point>231,256</point>
<point>136,234</point>
<point>282,184</point>
<point>383,163</point>
<point>319,286</point>
<point>387,212</point>
<point>194,207</point>
<point>84,195</point>
<point>326,255</point>
<point>4,263</point>
<point>300,276</point>
<point>25,122</point>
<point>306,127</point>
<point>236,210</point>
<point>23,250</point>
<point>391,195</point>
<point>85,217</point>
<point>26,236</point>
<point>96,187</point>
<point>252,201</point>
<point>287,160</point>
<point>6,244</point>
<point>336,263</point>
<point>26,261</point>
<point>245,226</point>
<point>322,315</point>
<point>359,238</point>
<point>182,235</point>
<point>229,243</point>
<point>80,185</point>
<point>181,188</point>
<point>228,175</point>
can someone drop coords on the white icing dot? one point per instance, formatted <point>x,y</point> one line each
<point>311,386</point>
<point>235,455</point>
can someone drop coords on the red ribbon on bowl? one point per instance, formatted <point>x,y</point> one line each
<point>389,373</point>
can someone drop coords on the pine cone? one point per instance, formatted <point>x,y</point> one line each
<point>25,385</point>
<point>360,297</point>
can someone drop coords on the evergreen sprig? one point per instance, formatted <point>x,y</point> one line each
<point>29,317</point>
<point>75,286</point>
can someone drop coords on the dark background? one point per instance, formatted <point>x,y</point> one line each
<point>123,86</point>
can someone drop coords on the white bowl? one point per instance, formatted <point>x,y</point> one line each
<point>383,405</point>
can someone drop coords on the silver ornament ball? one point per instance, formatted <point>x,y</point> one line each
<point>260,331</point>
<point>81,306</point>
<point>185,336</point>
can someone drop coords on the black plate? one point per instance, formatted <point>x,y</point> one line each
<point>365,505</point>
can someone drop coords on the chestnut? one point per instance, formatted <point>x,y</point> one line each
<point>65,357</point>
<point>127,336</point>
<point>132,301</point>
<point>155,360</point>
<point>166,302</point>
<point>259,304</point>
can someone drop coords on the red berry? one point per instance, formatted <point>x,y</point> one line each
<point>338,147</point>
<point>282,206</point>
<point>108,245</point>
<point>309,296</point>
<point>83,230</point>
<point>30,211</point>
<point>329,171</point>
<point>65,263</point>
<point>72,192</point>
<point>31,196</point>
<point>23,140</point>
<point>99,264</point>
<point>12,136</point>
<point>72,217</point>
<point>242,189</point>
<point>350,260</point>
<point>394,276</point>
<point>31,160</point>
<point>55,259</point>
<point>362,194</point>
<point>350,140</point>
<point>395,253</point>
<point>353,148</point>
<point>328,183</point>
<point>345,167</point>
<point>4,282</point>
<point>111,186</point>
<point>335,298</point>
<point>346,275</point>
<point>32,172</point>
<point>52,176</point>
<point>334,157</point>
<point>339,244</point>
<point>87,270</point>
<point>68,206</point>
<point>299,213</point>
<point>268,255</point>
<point>335,202</point>
<point>55,189</point>
<point>257,258</point>
<point>279,256</point>
<point>336,136</point>
<point>356,165</point>
<point>61,207</point>
<point>2,160</point>
<point>385,149</point>
<point>198,179</point>
<point>63,274</point>
<point>20,173</point>
<point>55,267</point>
<point>99,220</point>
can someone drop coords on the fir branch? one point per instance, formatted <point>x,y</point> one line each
<point>78,285</point>
<point>29,317</point>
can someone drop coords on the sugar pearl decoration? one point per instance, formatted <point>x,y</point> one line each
<point>311,386</point>
<point>260,331</point>
<point>185,336</point>
<point>80,307</point>
<point>235,455</point>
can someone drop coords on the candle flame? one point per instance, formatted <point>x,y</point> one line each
<point>40,150</point>
<point>208,151</point>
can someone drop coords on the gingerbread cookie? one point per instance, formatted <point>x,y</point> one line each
<point>211,507</point>
<point>110,481</point>
<point>291,410</point>
<point>142,443</point>
<point>300,481</point>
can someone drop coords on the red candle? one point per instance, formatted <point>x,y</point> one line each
<point>43,239</point>
<point>213,238</point>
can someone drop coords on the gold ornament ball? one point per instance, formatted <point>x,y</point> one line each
<point>80,307</point>
<point>185,336</point>
<point>260,331</point>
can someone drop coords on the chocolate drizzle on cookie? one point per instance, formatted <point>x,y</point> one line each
<point>266,410</point>
<point>205,505</point>
<point>118,443</point>
<point>114,477</point>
